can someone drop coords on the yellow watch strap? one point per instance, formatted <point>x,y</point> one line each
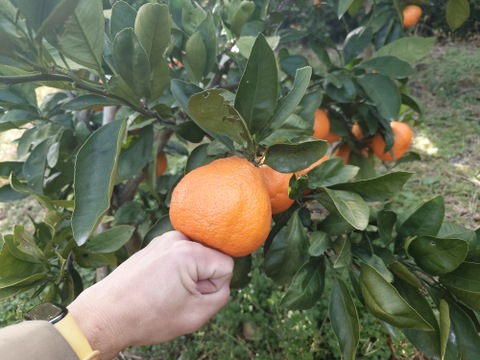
<point>70,330</point>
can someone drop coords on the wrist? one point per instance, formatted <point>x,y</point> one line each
<point>97,323</point>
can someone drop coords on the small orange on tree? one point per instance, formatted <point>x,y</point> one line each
<point>224,205</point>
<point>277,184</point>
<point>411,15</point>
<point>321,127</point>
<point>402,140</point>
<point>162,164</point>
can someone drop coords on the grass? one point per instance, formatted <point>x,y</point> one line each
<point>253,325</point>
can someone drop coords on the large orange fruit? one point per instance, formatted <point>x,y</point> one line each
<point>277,185</point>
<point>411,15</point>
<point>402,139</point>
<point>224,205</point>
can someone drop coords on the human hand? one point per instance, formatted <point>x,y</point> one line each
<point>170,288</point>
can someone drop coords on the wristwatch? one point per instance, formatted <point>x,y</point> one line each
<point>65,323</point>
<point>50,311</point>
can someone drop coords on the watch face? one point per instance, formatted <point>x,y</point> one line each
<point>48,311</point>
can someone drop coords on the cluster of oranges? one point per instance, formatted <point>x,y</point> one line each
<point>402,139</point>
<point>228,203</point>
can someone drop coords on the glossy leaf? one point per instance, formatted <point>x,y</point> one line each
<point>343,250</point>
<point>211,110</point>
<point>131,61</point>
<point>464,283</point>
<point>82,40</point>
<point>56,17</point>
<point>182,91</point>
<point>343,6</point>
<point>307,286</point>
<point>207,31</point>
<point>445,321</point>
<point>464,331</point>
<point>331,172</point>
<point>389,66</point>
<point>160,227</point>
<point>344,319</point>
<point>134,158</point>
<point>90,260</point>
<point>319,243</point>
<point>355,42</point>
<point>195,59</point>
<point>386,221</point>
<point>34,167</point>
<point>109,240</point>
<point>384,302</point>
<point>287,252</point>
<point>349,205</point>
<point>383,92</point>
<point>410,49</point>
<point>426,220</point>
<point>123,16</point>
<point>287,104</point>
<point>241,270</point>
<point>437,256</point>
<point>87,101</point>
<point>457,12</point>
<point>153,28</point>
<point>290,158</point>
<point>257,92</point>
<point>95,173</point>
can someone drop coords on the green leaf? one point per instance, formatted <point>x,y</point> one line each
<point>153,29</point>
<point>445,321</point>
<point>95,173</point>
<point>7,194</point>
<point>195,59</point>
<point>241,270</point>
<point>123,16</point>
<point>349,205</point>
<point>287,252</point>
<point>343,6</point>
<point>110,240</point>
<point>82,40</point>
<point>211,111</point>
<point>341,86</point>
<point>34,167</point>
<point>257,92</point>
<point>57,16</point>
<point>307,286</point>
<point>343,250</point>
<point>87,259</point>
<point>379,188</point>
<point>386,221</point>
<point>331,172</point>
<point>7,167</point>
<point>383,92</point>
<point>241,16</point>
<point>457,12</point>
<point>389,66</point>
<point>290,158</point>
<point>464,283</point>
<point>87,101</point>
<point>208,30</point>
<point>161,226</point>
<point>289,102</point>
<point>319,243</point>
<point>17,275</point>
<point>464,330</point>
<point>385,303</point>
<point>131,61</point>
<point>410,49</point>
<point>134,158</point>
<point>437,256</point>
<point>344,319</point>
<point>355,42</point>
<point>22,245</point>
<point>426,220</point>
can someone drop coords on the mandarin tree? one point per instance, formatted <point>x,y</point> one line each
<point>230,79</point>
